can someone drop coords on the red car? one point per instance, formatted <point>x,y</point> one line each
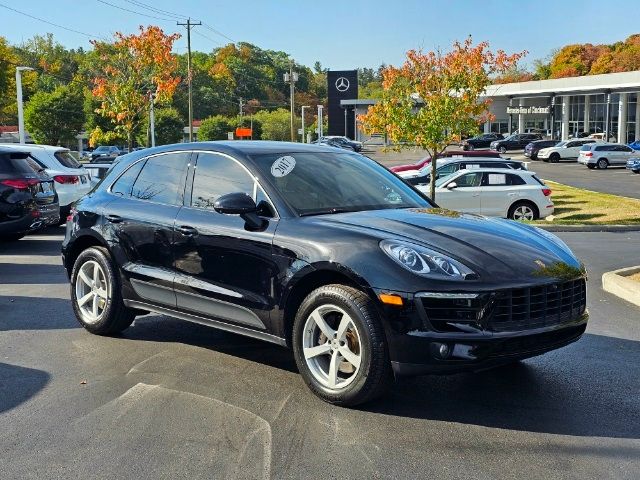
<point>452,153</point>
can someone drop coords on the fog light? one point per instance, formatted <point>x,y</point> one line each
<point>443,350</point>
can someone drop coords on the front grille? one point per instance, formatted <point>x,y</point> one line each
<point>508,310</point>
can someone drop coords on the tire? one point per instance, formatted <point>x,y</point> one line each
<point>13,237</point>
<point>554,158</point>
<point>602,164</point>
<point>363,333</point>
<point>502,149</point>
<point>591,166</point>
<point>635,171</point>
<point>469,148</point>
<point>102,314</point>
<point>523,211</point>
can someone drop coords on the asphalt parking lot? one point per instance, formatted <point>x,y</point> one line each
<point>169,399</point>
<point>615,180</point>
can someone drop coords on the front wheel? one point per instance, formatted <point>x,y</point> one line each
<point>554,158</point>
<point>95,294</point>
<point>340,346</point>
<point>502,150</point>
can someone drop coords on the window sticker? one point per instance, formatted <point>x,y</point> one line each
<point>497,179</point>
<point>283,166</point>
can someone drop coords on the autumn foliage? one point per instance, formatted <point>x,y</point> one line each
<point>435,97</point>
<point>128,72</point>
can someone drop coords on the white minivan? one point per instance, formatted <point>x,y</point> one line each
<point>71,179</point>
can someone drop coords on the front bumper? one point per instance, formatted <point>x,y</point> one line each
<point>449,333</point>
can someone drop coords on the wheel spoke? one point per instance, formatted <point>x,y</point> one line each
<point>349,356</point>
<point>342,328</point>
<point>322,325</point>
<point>83,276</point>
<point>85,299</point>
<point>317,350</point>
<point>94,309</point>
<point>333,370</point>
<point>102,293</point>
<point>96,272</point>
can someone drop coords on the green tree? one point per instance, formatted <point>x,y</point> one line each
<point>215,127</point>
<point>168,127</point>
<point>434,98</point>
<point>57,117</point>
<point>276,124</point>
<point>8,62</point>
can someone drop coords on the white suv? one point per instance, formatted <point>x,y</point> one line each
<point>568,150</point>
<point>71,179</point>
<point>495,192</point>
<point>602,155</point>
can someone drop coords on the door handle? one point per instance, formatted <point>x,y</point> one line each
<point>114,218</point>
<point>187,230</point>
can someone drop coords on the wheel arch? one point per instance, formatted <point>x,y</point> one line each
<point>80,244</point>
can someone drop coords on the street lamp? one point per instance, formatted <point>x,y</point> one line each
<point>303,136</point>
<point>19,71</point>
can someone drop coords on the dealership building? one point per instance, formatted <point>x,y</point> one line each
<point>562,107</point>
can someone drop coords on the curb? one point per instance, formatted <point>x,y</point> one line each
<point>617,283</point>
<point>589,228</point>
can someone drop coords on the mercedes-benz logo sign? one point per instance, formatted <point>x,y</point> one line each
<point>342,84</point>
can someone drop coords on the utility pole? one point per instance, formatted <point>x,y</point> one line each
<point>189,24</point>
<point>21,134</point>
<point>303,134</point>
<point>291,78</point>
<point>320,132</point>
<point>241,105</point>
<point>152,119</point>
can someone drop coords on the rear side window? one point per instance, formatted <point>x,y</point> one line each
<point>535,177</point>
<point>215,176</point>
<point>66,159</point>
<point>605,148</point>
<point>585,148</point>
<point>13,164</point>
<point>161,179</point>
<point>623,148</point>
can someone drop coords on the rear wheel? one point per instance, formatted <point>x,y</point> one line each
<point>523,211</point>
<point>95,294</point>
<point>502,149</point>
<point>603,163</point>
<point>340,347</point>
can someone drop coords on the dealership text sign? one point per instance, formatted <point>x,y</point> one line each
<point>528,110</point>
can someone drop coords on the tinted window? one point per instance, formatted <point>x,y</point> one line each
<point>161,179</point>
<point>447,169</point>
<point>623,148</point>
<point>605,148</point>
<point>215,176</point>
<point>515,180</point>
<point>66,159</point>
<point>497,179</point>
<point>124,184</point>
<point>586,148</point>
<point>469,180</point>
<point>9,164</point>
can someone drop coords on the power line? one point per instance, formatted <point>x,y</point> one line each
<point>156,10</point>
<point>50,23</point>
<point>137,13</point>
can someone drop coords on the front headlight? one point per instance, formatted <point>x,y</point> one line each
<point>425,262</point>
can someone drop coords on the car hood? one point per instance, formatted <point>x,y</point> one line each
<point>496,249</point>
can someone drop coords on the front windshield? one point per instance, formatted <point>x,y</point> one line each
<point>443,179</point>
<point>560,144</point>
<point>315,183</point>
<point>101,149</point>
<point>511,137</point>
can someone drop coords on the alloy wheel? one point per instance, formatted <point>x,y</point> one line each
<point>523,212</point>
<point>92,290</point>
<point>332,347</point>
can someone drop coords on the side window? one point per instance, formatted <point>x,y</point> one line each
<point>494,179</point>
<point>216,175</point>
<point>623,148</point>
<point>161,179</point>
<point>515,180</point>
<point>469,180</point>
<point>447,169</point>
<point>265,209</point>
<point>124,184</point>
<point>571,144</point>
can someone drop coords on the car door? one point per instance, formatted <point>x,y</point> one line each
<point>224,271</point>
<point>465,197</point>
<point>622,154</point>
<point>139,223</point>
<point>498,193</point>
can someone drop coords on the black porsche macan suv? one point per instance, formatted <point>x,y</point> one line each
<point>321,250</point>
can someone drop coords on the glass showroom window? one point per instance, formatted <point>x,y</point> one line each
<point>597,113</point>
<point>632,101</point>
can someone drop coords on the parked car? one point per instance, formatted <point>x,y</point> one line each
<point>28,199</point>
<point>603,155</point>
<point>98,171</point>
<point>341,142</point>
<point>506,193</point>
<point>532,149</point>
<point>448,154</point>
<point>448,166</point>
<point>568,150</point>
<point>106,151</point>
<point>481,141</point>
<point>321,250</point>
<point>337,143</point>
<point>515,142</point>
<point>633,164</point>
<point>70,177</point>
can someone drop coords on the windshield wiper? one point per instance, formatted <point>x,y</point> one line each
<point>328,211</point>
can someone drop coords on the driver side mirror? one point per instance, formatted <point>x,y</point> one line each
<point>452,185</point>
<point>240,204</point>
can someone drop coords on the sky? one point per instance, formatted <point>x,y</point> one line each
<point>341,34</point>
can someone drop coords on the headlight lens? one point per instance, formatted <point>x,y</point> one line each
<point>424,261</point>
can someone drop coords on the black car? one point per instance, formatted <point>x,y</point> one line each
<point>28,199</point>
<point>448,166</point>
<point>341,142</point>
<point>532,149</point>
<point>481,141</point>
<point>324,251</point>
<point>515,142</point>
<point>105,151</point>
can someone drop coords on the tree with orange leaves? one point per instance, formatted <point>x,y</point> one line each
<point>131,71</point>
<point>434,98</point>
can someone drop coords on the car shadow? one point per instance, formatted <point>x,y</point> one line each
<point>26,273</point>
<point>19,384</point>
<point>33,313</point>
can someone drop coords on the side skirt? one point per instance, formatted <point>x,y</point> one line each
<point>206,321</point>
